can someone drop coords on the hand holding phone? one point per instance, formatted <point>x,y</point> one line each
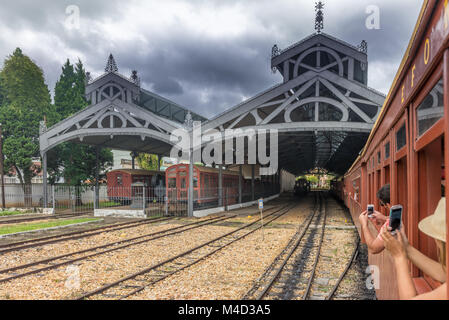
<point>370,210</point>
<point>395,218</point>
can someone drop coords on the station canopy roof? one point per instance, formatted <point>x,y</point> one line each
<point>323,111</point>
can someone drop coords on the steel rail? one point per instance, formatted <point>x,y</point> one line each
<point>146,270</point>
<point>200,259</point>
<point>159,234</point>
<point>355,252</point>
<point>317,257</point>
<point>284,262</point>
<point>345,271</point>
<point>292,242</point>
<point>31,243</point>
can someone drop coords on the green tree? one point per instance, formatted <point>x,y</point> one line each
<point>74,162</point>
<point>25,100</point>
<point>147,161</point>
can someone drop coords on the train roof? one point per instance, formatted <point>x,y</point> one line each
<point>140,172</point>
<point>205,169</point>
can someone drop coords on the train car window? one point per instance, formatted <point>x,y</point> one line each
<point>119,180</point>
<point>182,174</point>
<point>183,182</point>
<point>431,109</point>
<point>387,150</point>
<point>206,181</point>
<point>401,138</point>
<point>172,182</point>
<point>195,182</point>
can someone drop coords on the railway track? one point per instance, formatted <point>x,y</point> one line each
<point>137,282</point>
<point>350,262</point>
<point>48,217</point>
<point>32,243</point>
<point>292,273</point>
<point>276,281</point>
<point>71,257</point>
<point>345,271</point>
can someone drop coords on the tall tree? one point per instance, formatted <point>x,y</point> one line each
<point>147,161</point>
<point>25,101</point>
<point>74,162</point>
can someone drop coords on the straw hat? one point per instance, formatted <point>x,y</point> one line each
<point>435,224</point>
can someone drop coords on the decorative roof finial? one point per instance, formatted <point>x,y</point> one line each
<point>111,66</point>
<point>188,122</point>
<point>135,78</point>
<point>363,47</point>
<point>319,18</point>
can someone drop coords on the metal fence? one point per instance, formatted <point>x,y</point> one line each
<point>153,201</point>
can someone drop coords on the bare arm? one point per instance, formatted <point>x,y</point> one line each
<point>429,266</point>
<point>375,245</point>
<point>396,247</point>
<point>405,282</point>
<point>439,293</point>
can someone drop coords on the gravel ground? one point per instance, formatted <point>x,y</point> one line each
<point>228,274</point>
<point>353,286</point>
<point>231,272</point>
<point>105,268</point>
<point>33,254</point>
<point>335,259</point>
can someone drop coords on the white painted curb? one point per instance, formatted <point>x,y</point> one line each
<point>206,212</point>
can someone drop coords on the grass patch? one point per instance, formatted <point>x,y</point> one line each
<point>89,205</point>
<point>41,225</point>
<point>11,213</point>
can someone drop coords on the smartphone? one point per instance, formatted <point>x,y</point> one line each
<point>370,210</point>
<point>395,218</point>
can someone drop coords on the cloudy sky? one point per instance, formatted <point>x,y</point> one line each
<point>207,55</point>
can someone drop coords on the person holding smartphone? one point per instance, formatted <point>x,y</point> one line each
<point>375,243</point>
<point>401,252</point>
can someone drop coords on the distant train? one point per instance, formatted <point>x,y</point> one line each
<point>124,185</point>
<point>205,181</point>
<point>302,187</point>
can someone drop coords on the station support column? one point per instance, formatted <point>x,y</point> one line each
<point>240,183</point>
<point>220,185</point>
<point>252,182</point>
<point>190,189</point>
<point>97,177</point>
<point>44,179</point>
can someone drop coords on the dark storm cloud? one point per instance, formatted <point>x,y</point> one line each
<point>207,55</point>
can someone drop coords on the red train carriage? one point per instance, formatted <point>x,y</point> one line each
<point>126,184</point>
<point>205,182</point>
<point>409,146</point>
